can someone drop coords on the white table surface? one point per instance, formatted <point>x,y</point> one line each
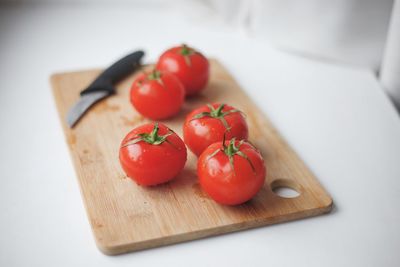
<point>337,119</point>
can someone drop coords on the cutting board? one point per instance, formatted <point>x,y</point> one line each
<point>127,217</point>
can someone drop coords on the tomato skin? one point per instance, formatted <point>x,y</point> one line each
<point>200,133</point>
<point>157,99</point>
<point>149,164</point>
<point>218,180</point>
<point>192,70</point>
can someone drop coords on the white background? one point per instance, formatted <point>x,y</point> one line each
<point>337,118</point>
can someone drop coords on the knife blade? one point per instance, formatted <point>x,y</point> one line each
<point>103,86</point>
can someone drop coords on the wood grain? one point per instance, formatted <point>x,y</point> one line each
<point>127,217</point>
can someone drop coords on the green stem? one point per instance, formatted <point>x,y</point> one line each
<point>216,113</point>
<point>152,138</point>
<point>185,50</point>
<point>231,150</point>
<point>155,75</point>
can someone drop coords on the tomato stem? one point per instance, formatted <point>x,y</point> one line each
<point>155,75</point>
<point>186,52</point>
<point>152,138</point>
<point>216,113</point>
<point>231,150</point>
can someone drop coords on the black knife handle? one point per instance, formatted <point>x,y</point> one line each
<point>115,73</point>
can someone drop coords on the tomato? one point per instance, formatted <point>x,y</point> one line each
<point>157,95</point>
<point>189,65</point>
<point>152,154</point>
<point>208,124</point>
<point>231,172</point>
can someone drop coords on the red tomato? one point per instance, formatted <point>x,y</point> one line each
<point>152,154</point>
<point>231,172</point>
<point>208,124</point>
<point>157,95</point>
<point>189,65</point>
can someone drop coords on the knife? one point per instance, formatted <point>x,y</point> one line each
<point>103,85</point>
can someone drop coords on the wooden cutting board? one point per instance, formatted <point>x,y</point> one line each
<point>126,217</point>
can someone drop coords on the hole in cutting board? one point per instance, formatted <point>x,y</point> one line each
<point>285,188</point>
